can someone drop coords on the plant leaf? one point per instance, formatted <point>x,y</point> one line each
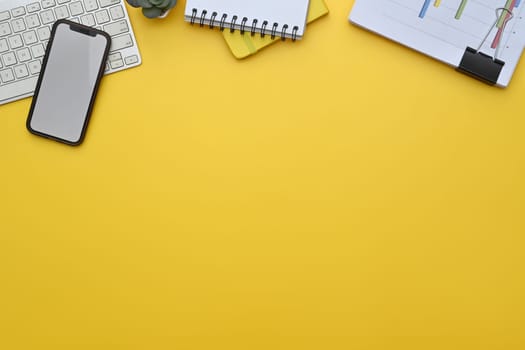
<point>152,12</point>
<point>145,4</point>
<point>134,3</point>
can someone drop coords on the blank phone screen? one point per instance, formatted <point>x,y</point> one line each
<point>62,102</point>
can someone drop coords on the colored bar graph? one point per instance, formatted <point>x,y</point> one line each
<point>461,8</point>
<point>424,9</point>
<point>509,5</point>
<point>502,20</point>
<point>426,4</point>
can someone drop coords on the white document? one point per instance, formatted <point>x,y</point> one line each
<point>284,18</point>
<point>443,29</point>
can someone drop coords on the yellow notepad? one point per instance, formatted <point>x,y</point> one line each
<point>244,45</point>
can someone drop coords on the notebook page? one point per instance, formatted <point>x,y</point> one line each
<point>444,29</point>
<point>243,46</point>
<point>283,12</point>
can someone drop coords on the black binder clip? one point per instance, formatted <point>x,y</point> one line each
<point>480,65</point>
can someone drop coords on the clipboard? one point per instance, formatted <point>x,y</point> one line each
<point>463,35</point>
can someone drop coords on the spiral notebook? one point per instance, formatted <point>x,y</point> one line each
<point>483,38</point>
<point>244,45</point>
<point>275,18</point>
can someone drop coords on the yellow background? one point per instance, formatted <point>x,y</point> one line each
<point>341,192</point>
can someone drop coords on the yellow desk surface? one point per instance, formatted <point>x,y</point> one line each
<point>341,192</point>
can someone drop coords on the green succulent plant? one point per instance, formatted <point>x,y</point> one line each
<point>153,8</point>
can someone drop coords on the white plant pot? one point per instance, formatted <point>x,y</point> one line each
<point>164,14</point>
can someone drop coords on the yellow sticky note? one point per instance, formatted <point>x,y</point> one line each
<point>244,45</point>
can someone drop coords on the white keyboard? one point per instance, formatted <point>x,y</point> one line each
<point>25,27</point>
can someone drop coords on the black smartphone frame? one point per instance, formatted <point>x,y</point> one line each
<point>86,31</point>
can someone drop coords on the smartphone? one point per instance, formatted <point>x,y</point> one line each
<point>68,82</point>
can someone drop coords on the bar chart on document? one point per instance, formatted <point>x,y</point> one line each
<point>444,29</point>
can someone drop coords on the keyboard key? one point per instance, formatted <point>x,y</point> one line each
<point>5,29</point>
<point>17,89</point>
<point>115,60</point>
<point>23,55</point>
<point>48,3</point>
<point>116,12</point>
<point>102,16</point>
<point>34,67</point>
<point>76,8</point>
<point>47,16</point>
<point>18,11</point>
<point>115,56</point>
<point>30,37</point>
<point>131,59</point>
<point>75,19</point>
<point>90,5</point>
<point>121,42</point>
<point>33,7</point>
<point>9,59</point>
<point>38,50</point>
<point>88,20</point>
<point>106,3</point>
<point>7,75</point>
<point>32,21</point>
<point>61,12</point>
<point>4,16</point>
<point>43,33</point>
<point>18,25</point>
<point>116,64</point>
<point>15,41</point>
<point>3,45</point>
<point>116,28</point>
<point>26,29</point>
<point>21,71</point>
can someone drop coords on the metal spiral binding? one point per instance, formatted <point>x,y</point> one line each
<point>212,21</point>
